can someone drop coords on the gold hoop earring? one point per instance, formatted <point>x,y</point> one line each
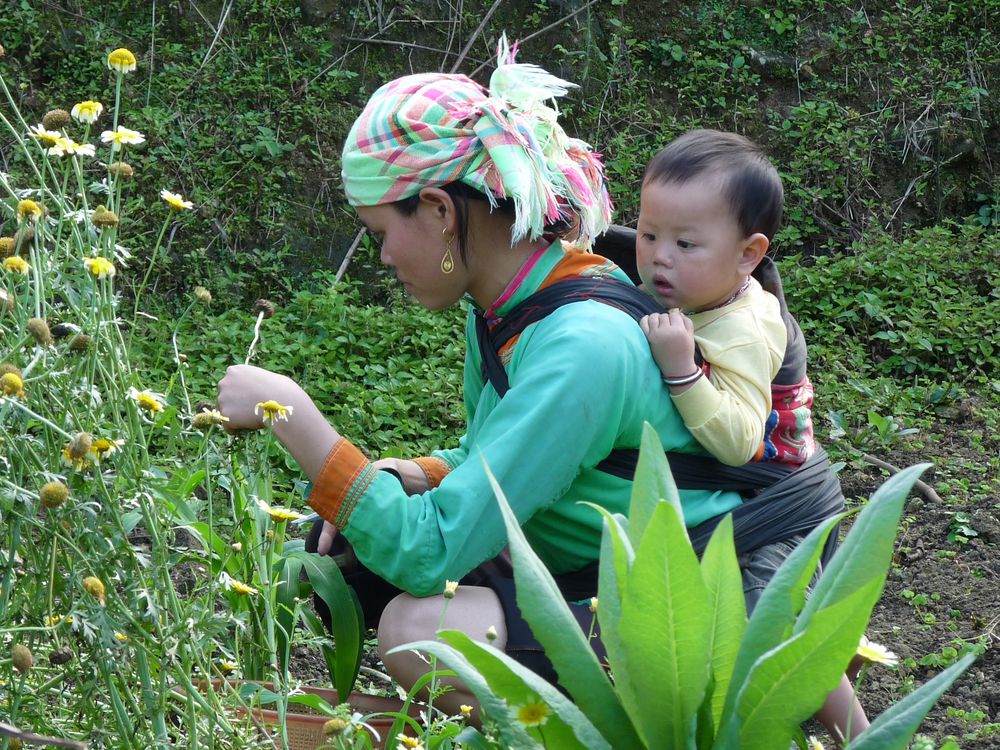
<point>448,262</point>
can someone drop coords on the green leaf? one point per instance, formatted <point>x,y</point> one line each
<point>790,683</point>
<point>346,623</point>
<point>895,727</point>
<point>653,482</point>
<point>727,609</point>
<point>866,552</point>
<point>287,590</point>
<point>557,630</point>
<point>664,632</point>
<point>775,613</point>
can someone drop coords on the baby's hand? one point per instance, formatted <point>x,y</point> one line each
<point>671,339</point>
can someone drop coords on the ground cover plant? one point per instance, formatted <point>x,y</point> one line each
<point>881,118</point>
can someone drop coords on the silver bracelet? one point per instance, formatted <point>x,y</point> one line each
<point>684,380</point>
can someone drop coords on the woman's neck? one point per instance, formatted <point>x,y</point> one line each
<point>493,261</point>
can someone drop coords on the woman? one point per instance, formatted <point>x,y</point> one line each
<point>468,190</point>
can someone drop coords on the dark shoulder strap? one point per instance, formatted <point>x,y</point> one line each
<point>606,289</point>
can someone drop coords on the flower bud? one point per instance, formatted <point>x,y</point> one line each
<point>334,727</point>
<point>23,239</point>
<point>203,295</point>
<point>22,657</point>
<point>39,329</point>
<point>491,633</point>
<point>55,119</point>
<point>7,245</point>
<point>450,587</point>
<point>121,169</point>
<point>95,587</point>
<point>103,218</point>
<point>264,307</point>
<point>79,343</point>
<point>80,445</point>
<point>53,494</point>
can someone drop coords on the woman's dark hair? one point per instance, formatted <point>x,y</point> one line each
<point>461,193</point>
<point>749,181</point>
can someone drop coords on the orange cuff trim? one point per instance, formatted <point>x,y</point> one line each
<point>434,469</point>
<point>345,476</point>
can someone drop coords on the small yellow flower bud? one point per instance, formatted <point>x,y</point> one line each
<point>203,295</point>
<point>5,368</point>
<point>7,245</point>
<point>39,329</point>
<point>55,119</point>
<point>53,494</point>
<point>491,634</point>
<point>450,587</point>
<point>22,657</point>
<point>205,420</point>
<point>11,384</point>
<point>95,587</point>
<point>121,169</point>
<point>237,547</point>
<point>264,307</point>
<point>122,60</point>
<point>593,604</point>
<point>466,710</point>
<point>103,218</point>
<point>334,727</point>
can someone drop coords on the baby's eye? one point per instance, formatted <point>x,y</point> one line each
<point>648,237</point>
<point>684,244</point>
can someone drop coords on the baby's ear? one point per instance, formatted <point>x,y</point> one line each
<point>754,248</point>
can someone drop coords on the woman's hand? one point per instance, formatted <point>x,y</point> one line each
<point>245,386</point>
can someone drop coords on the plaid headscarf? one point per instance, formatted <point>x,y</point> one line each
<point>432,129</point>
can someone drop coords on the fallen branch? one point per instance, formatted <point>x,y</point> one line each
<point>922,487</point>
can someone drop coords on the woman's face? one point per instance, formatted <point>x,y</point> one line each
<point>413,246</point>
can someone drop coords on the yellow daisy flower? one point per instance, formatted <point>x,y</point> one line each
<point>28,209</point>
<point>45,137</point>
<point>408,743</point>
<point>533,714</point>
<point>87,111</point>
<point>151,402</point>
<point>120,637</point>
<point>95,587</point>
<point>103,447</point>
<point>53,620</point>
<point>465,709</point>
<point>241,588</point>
<point>11,384</point>
<point>69,147</point>
<point>272,411</point>
<point>101,268</point>
<point>279,514</point>
<point>122,60</point>
<point>176,200</point>
<point>122,137</point>
<point>228,667</point>
<point>80,463</point>
<point>877,653</point>
<point>16,264</point>
<point>203,420</point>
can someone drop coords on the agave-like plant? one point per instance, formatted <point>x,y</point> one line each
<point>687,669</point>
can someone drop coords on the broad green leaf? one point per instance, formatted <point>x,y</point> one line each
<point>895,727</point>
<point>557,630</point>
<point>775,614</point>
<point>653,482</point>
<point>346,624</point>
<point>287,590</point>
<point>866,552</point>
<point>790,683</point>
<point>664,632</point>
<point>727,609</point>
<point>616,561</point>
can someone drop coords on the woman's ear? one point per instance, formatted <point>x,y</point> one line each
<point>441,205</point>
<point>752,251</point>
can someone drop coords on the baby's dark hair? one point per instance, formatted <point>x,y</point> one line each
<point>749,181</point>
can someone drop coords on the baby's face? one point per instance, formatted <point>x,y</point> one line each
<point>688,244</point>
